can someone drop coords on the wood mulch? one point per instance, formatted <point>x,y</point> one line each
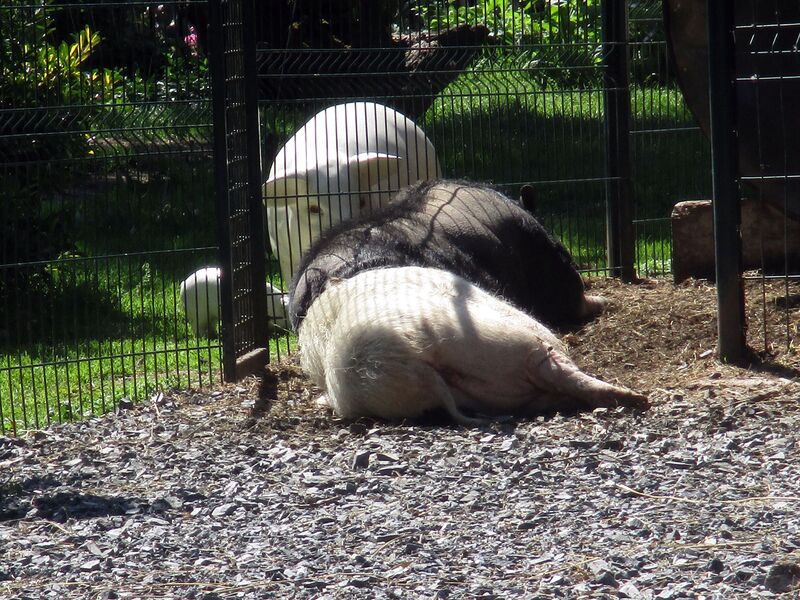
<point>251,491</point>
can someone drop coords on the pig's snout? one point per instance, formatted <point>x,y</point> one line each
<point>593,306</point>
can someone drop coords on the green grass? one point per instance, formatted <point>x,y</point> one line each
<point>586,243</point>
<point>42,386</point>
<point>94,332</point>
<point>101,330</point>
<point>281,346</point>
<point>512,131</point>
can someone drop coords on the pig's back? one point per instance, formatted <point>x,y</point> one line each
<point>478,343</point>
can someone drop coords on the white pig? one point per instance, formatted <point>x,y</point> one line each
<point>398,342</point>
<point>345,158</point>
<point>201,302</point>
<point>200,299</point>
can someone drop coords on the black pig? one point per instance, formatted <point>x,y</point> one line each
<point>465,228</point>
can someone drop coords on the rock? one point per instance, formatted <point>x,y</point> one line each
<point>91,565</point>
<point>606,578</point>
<point>716,566</point>
<point>693,238</point>
<point>629,590</point>
<point>360,582</point>
<point>783,577</point>
<point>598,566</point>
<point>360,459</point>
<point>124,404</point>
<point>93,548</point>
<point>224,510</point>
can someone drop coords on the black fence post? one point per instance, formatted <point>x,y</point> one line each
<point>258,243</point>
<point>620,241</point>
<point>726,201</point>
<point>218,100</point>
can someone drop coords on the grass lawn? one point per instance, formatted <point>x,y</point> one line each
<point>105,330</point>
<point>44,385</point>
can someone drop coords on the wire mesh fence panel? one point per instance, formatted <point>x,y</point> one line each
<point>505,94</point>
<point>238,181</point>
<point>105,167</point>
<point>670,153</point>
<point>106,148</point>
<point>767,90</point>
<point>510,93</point>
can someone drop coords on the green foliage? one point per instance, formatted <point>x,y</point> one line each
<point>184,78</point>
<point>36,72</point>
<point>563,38</point>
<point>648,48</point>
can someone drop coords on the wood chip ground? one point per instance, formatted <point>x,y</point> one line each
<point>221,494</point>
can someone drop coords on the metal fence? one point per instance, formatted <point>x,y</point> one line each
<point>107,204</point>
<point>577,101</point>
<point>107,153</point>
<point>670,155</point>
<point>238,189</point>
<point>755,77</point>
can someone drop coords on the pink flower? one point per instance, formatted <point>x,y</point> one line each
<point>191,40</point>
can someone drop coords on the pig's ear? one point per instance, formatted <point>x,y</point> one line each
<point>372,167</point>
<point>283,185</point>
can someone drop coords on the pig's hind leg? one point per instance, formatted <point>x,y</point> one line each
<point>554,373</point>
<point>375,372</point>
<point>439,389</point>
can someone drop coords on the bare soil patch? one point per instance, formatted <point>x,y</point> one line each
<point>250,491</point>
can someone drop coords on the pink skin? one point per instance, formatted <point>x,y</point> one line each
<point>395,343</point>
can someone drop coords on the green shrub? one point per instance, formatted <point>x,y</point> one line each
<point>562,38</point>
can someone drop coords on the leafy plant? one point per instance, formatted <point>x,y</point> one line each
<point>185,77</point>
<point>562,38</point>
<point>34,76</point>
<point>37,72</point>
